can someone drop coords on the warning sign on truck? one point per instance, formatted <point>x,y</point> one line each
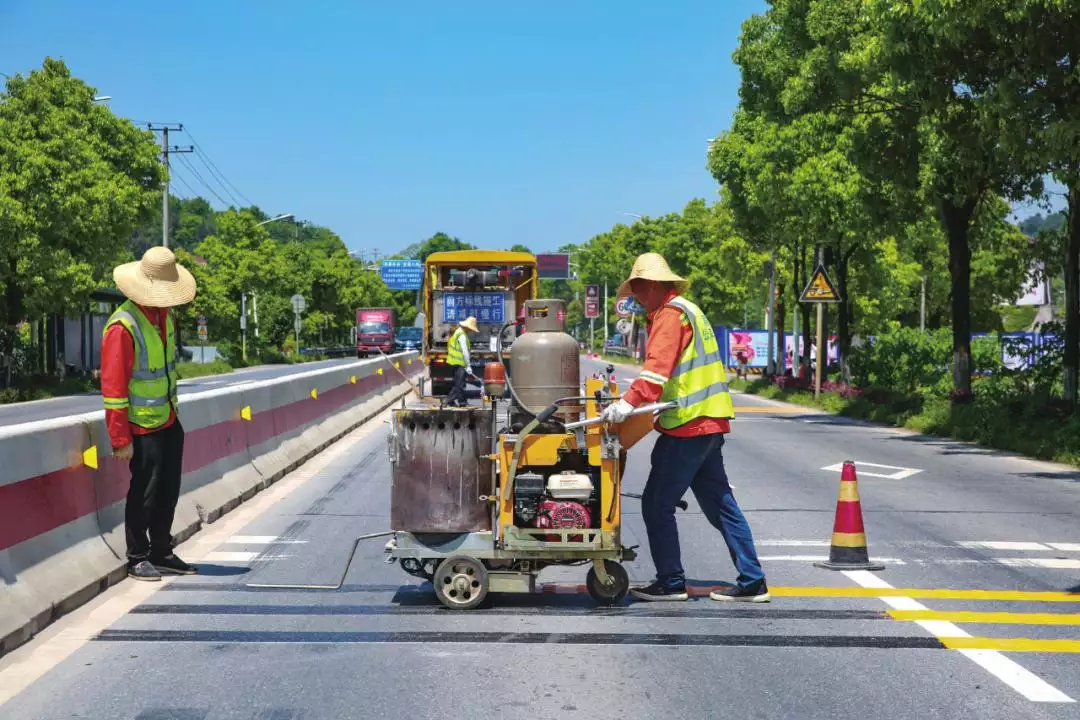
<point>485,307</point>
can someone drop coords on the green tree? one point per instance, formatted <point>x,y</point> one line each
<point>439,242</point>
<point>75,180</point>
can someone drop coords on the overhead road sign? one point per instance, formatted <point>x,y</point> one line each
<point>402,274</point>
<point>553,266</point>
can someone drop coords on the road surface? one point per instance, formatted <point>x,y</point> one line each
<point>17,413</point>
<point>946,518</point>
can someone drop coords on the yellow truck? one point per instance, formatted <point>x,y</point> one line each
<point>490,285</point>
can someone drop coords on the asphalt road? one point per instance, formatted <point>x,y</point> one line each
<point>945,518</point>
<point>17,413</point>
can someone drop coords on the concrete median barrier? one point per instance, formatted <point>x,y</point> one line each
<point>62,494</point>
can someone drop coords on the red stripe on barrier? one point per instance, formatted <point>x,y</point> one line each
<point>39,504</point>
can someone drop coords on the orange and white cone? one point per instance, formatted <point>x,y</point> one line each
<point>848,550</point>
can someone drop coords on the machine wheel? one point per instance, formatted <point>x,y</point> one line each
<point>608,594</point>
<point>461,583</point>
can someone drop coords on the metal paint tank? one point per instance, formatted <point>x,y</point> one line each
<point>545,364</point>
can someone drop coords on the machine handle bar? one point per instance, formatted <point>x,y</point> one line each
<point>651,408</point>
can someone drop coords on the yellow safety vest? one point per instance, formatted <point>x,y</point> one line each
<point>453,351</point>
<point>699,384</point>
<point>152,388</point>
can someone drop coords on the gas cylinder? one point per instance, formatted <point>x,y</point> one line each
<point>544,361</point>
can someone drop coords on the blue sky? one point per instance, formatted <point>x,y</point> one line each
<point>491,121</point>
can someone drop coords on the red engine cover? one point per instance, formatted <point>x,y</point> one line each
<point>563,514</point>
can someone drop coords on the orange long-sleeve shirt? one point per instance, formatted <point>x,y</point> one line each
<point>670,333</point>
<point>117,362</point>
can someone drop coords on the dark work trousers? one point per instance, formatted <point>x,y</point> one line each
<point>155,488</point>
<point>694,463</point>
<point>457,392</point>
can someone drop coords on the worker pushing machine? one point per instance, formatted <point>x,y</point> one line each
<point>683,365</point>
<point>458,357</point>
<point>138,385</point>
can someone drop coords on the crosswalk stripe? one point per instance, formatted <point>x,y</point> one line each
<point>1038,562</point>
<point>990,618</point>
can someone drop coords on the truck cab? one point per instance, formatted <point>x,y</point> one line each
<point>374,331</point>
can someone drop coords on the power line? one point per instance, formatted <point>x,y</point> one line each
<point>209,167</point>
<point>180,179</point>
<point>203,182</point>
<point>214,169</point>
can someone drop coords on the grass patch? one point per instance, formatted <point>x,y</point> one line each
<point>1014,424</point>
<point>189,370</point>
<point>41,388</point>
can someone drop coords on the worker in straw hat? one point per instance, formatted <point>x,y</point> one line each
<point>138,383</point>
<point>683,365</point>
<point>458,358</point>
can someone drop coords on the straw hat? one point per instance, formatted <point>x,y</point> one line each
<point>156,280</point>
<point>469,324</point>
<point>652,266</point>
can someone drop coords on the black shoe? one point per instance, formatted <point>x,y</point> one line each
<point>173,565</point>
<point>659,591</point>
<point>756,593</point>
<point>143,570</point>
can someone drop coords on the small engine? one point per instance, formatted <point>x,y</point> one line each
<point>564,501</point>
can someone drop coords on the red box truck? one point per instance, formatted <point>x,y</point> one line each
<point>374,331</point>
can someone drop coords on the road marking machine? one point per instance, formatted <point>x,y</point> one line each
<point>483,498</point>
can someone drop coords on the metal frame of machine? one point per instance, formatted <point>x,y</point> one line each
<point>545,442</point>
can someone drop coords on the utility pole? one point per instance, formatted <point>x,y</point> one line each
<point>605,314</point>
<point>770,310</point>
<point>165,150</point>
<point>243,324</point>
<point>822,354</point>
<point>922,306</point>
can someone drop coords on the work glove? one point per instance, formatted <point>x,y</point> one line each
<point>617,412</point>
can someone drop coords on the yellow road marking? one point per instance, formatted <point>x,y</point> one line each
<point>1011,644</point>
<point>997,618</point>
<point>928,593</point>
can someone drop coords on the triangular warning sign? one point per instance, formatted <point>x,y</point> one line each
<point>820,288</point>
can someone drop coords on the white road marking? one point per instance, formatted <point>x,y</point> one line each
<point>821,558</point>
<point>793,543</point>
<point>1049,563</point>
<point>900,474</point>
<point>1002,545</point>
<point>261,540</point>
<point>230,557</point>
<point>1025,682</point>
<point>1065,547</point>
<point>29,663</point>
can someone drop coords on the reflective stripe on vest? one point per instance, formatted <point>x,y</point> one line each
<point>152,387</point>
<point>699,385</point>
<point>453,350</point>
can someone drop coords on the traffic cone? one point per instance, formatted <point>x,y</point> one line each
<point>848,550</point>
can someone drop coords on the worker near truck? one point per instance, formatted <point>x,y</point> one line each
<point>138,386</point>
<point>683,364</point>
<point>457,351</point>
